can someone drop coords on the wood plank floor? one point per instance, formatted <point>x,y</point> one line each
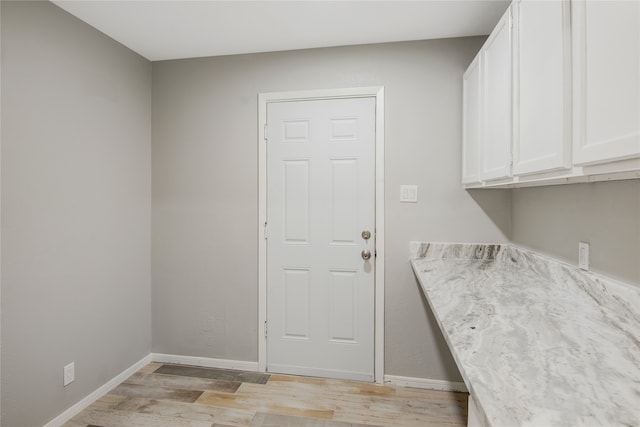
<point>175,395</point>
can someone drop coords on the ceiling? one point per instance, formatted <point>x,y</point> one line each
<point>161,30</point>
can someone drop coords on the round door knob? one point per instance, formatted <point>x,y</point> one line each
<point>366,254</point>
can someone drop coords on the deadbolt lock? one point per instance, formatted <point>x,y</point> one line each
<point>366,234</point>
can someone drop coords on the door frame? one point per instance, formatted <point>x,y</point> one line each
<point>376,92</point>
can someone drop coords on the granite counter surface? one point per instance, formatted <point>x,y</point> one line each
<point>538,342</point>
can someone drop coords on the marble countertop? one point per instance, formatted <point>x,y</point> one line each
<point>538,342</point>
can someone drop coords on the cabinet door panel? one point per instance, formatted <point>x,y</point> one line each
<point>471,86</point>
<point>543,86</point>
<point>606,37</point>
<point>496,98</point>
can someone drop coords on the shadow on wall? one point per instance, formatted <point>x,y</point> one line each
<point>445,358</point>
<point>492,203</point>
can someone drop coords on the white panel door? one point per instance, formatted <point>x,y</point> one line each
<point>606,37</point>
<point>320,198</point>
<point>495,149</point>
<point>471,119</point>
<point>543,83</point>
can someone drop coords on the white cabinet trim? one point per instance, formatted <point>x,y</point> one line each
<point>587,151</point>
<point>496,129</point>
<point>558,146</point>
<point>471,122</point>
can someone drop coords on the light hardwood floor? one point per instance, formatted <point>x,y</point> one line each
<point>174,395</point>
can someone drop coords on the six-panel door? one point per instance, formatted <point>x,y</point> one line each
<point>320,198</point>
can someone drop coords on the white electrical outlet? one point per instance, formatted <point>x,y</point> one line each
<point>583,255</point>
<point>69,373</point>
<point>409,193</point>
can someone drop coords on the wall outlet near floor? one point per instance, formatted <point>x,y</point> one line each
<point>583,255</point>
<point>69,373</point>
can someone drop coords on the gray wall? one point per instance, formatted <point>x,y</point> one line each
<point>0,218</point>
<point>76,142</point>
<point>553,220</point>
<point>76,201</point>
<point>205,184</point>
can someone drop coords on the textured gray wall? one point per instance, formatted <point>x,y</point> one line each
<point>553,220</point>
<point>205,187</point>
<point>76,190</point>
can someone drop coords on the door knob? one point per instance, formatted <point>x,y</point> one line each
<point>366,254</point>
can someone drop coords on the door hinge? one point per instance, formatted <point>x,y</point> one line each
<point>266,134</point>
<point>265,231</point>
<point>266,329</point>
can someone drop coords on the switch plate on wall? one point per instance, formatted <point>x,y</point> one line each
<point>69,374</point>
<point>409,193</point>
<point>583,255</point>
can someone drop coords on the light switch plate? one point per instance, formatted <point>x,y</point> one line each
<point>409,193</point>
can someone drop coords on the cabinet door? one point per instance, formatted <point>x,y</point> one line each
<point>471,85</point>
<point>495,147</point>
<point>606,48</point>
<point>543,86</point>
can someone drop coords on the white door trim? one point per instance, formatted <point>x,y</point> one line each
<point>263,100</point>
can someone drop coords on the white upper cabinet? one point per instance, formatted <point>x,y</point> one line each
<point>542,86</point>
<point>554,96</point>
<point>606,87</point>
<point>496,127</point>
<point>471,86</point>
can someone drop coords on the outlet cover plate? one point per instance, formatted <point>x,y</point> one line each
<point>583,255</point>
<point>69,373</point>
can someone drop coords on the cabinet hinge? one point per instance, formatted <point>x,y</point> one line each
<point>266,134</point>
<point>265,231</point>
<point>266,329</point>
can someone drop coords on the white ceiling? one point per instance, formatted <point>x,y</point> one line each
<point>160,29</point>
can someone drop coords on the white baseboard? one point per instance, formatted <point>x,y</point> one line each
<point>97,394</point>
<point>205,362</point>
<point>426,383</point>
